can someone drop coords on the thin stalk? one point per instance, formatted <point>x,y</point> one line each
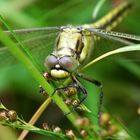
<point>35,117</point>
<point>32,128</point>
<point>21,124</point>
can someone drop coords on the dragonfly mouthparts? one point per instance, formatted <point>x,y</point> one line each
<point>59,73</point>
<point>57,66</point>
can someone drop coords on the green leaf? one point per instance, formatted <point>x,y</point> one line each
<point>117,51</point>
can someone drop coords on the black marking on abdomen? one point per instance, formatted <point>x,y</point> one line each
<point>115,16</point>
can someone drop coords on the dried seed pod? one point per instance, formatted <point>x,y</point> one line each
<point>112,129</point>
<point>68,101</point>
<point>104,134</point>
<point>69,91</point>
<point>82,121</point>
<point>105,119</point>
<point>79,121</point>
<point>83,133</point>
<point>86,121</point>
<point>12,115</point>
<point>75,102</point>
<point>3,115</point>
<point>57,130</point>
<point>45,126</point>
<point>138,110</point>
<point>70,134</point>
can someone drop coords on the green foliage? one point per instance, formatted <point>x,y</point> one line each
<point>119,73</point>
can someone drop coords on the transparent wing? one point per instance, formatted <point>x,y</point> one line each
<point>108,42</point>
<point>39,41</point>
<point>33,32</point>
<point>123,38</point>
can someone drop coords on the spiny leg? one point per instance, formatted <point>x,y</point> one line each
<point>65,88</point>
<point>98,84</point>
<point>82,89</point>
<point>77,85</point>
<point>70,89</point>
<point>42,91</point>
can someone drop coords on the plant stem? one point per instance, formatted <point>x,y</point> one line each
<point>35,117</point>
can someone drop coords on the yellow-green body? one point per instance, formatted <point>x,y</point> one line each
<point>78,43</point>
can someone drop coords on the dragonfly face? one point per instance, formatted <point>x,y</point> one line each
<point>59,66</point>
<point>70,51</point>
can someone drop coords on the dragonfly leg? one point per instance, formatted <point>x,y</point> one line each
<point>69,90</point>
<point>79,86</point>
<point>57,90</point>
<point>42,91</point>
<point>98,84</point>
<point>48,78</point>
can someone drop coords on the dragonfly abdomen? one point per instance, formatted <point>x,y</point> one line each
<point>114,17</point>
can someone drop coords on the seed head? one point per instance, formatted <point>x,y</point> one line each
<point>75,102</point>
<point>82,121</point>
<point>12,115</point>
<point>83,133</point>
<point>105,119</point>
<point>104,134</point>
<point>68,101</point>
<point>45,126</point>
<point>138,110</point>
<point>70,91</point>
<point>3,115</point>
<point>70,134</point>
<point>57,130</point>
<point>112,129</point>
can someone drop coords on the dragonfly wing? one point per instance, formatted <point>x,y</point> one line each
<point>110,40</point>
<point>104,45</point>
<point>127,39</point>
<point>6,59</point>
<point>39,42</point>
<point>32,32</point>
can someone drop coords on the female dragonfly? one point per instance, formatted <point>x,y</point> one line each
<point>73,47</point>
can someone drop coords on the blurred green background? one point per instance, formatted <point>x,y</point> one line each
<point>120,78</point>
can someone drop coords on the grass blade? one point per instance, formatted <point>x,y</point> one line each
<point>117,51</point>
<point>97,9</point>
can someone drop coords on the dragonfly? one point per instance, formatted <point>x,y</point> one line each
<point>73,46</point>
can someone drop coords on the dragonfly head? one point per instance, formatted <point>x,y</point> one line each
<point>61,67</point>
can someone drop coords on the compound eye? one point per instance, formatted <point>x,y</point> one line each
<point>51,61</point>
<point>69,63</point>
